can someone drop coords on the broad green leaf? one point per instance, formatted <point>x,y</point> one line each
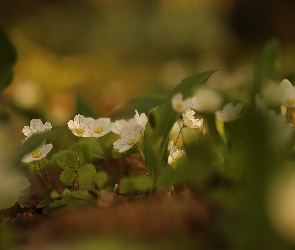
<point>67,159</point>
<point>82,194</point>
<point>54,194</point>
<point>136,184</point>
<point>33,142</point>
<point>61,202</point>
<point>266,66</point>
<point>142,104</point>
<point>86,175</point>
<point>156,136</point>
<point>7,60</point>
<point>101,179</point>
<point>67,176</point>
<point>10,189</point>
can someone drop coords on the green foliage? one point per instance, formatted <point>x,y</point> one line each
<point>136,184</point>
<point>7,60</point>
<point>101,179</point>
<point>67,176</point>
<point>67,159</point>
<point>86,176</point>
<point>164,119</point>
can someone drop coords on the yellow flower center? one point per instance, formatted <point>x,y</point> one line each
<point>80,131</point>
<point>131,141</point>
<point>179,106</point>
<point>98,130</point>
<point>290,101</point>
<point>36,154</point>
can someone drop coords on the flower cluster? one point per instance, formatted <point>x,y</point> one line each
<point>205,100</point>
<point>37,127</point>
<point>130,131</point>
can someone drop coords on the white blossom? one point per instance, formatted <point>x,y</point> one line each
<point>206,100</point>
<point>38,154</point>
<point>140,119</point>
<point>119,125</point>
<point>130,134</point>
<point>190,121</point>
<point>81,126</point>
<point>180,105</point>
<point>287,94</point>
<point>230,112</point>
<point>36,127</point>
<point>100,126</point>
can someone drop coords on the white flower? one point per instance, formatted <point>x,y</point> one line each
<point>206,100</point>
<point>190,121</point>
<point>118,126</point>
<point>271,94</point>
<point>175,154</point>
<point>230,112</point>
<point>36,127</point>
<point>81,126</point>
<point>101,126</point>
<point>287,94</point>
<point>38,154</point>
<point>140,119</point>
<point>130,135</point>
<point>180,105</point>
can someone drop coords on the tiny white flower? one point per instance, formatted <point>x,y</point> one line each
<point>118,125</point>
<point>230,112</point>
<point>101,126</point>
<point>36,127</point>
<point>140,119</point>
<point>180,105</point>
<point>190,121</point>
<point>130,135</point>
<point>206,100</point>
<point>171,147</point>
<point>81,126</point>
<point>271,94</point>
<point>38,154</point>
<point>287,94</point>
<point>175,154</point>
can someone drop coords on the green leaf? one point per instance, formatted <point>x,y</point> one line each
<point>101,179</point>
<point>62,202</point>
<point>7,60</point>
<point>142,104</point>
<point>136,184</point>
<point>67,176</point>
<point>67,159</point>
<point>45,202</point>
<point>86,175</point>
<point>156,136</point>
<point>265,67</point>
<point>82,194</point>
<point>54,194</point>
<point>33,142</point>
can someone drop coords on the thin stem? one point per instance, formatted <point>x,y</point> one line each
<point>180,132</point>
<point>140,151</point>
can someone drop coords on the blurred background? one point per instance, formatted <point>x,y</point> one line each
<point>98,54</point>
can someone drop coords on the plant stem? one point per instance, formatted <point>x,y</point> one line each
<point>180,132</point>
